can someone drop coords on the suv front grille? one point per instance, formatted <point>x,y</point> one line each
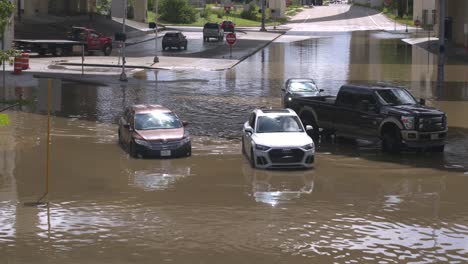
<point>431,123</point>
<point>286,155</point>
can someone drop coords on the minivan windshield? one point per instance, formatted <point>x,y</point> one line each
<point>149,121</point>
<point>395,97</point>
<point>279,123</point>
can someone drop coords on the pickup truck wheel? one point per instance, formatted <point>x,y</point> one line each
<point>391,141</point>
<point>439,149</point>
<point>107,50</point>
<point>58,51</point>
<point>252,159</point>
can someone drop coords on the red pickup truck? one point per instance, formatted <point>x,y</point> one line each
<point>78,37</point>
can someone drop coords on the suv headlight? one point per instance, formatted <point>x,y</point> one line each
<point>261,147</point>
<point>408,122</point>
<point>142,142</point>
<point>308,146</point>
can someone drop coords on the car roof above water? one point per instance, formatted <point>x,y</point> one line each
<point>149,108</point>
<point>273,111</point>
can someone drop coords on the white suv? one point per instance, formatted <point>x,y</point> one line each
<point>277,139</point>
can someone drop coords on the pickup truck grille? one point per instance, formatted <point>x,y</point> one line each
<point>286,155</point>
<point>431,123</point>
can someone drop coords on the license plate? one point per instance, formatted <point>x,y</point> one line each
<point>434,136</point>
<point>165,153</point>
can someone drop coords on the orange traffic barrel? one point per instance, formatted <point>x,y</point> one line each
<point>18,66</point>
<point>25,59</point>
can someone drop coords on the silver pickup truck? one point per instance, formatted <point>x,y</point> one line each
<point>213,30</point>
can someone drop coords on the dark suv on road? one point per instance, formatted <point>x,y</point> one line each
<point>174,39</point>
<point>213,30</point>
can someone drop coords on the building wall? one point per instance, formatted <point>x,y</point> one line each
<point>372,3</point>
<point>457,10</point>
<point>419,6</point>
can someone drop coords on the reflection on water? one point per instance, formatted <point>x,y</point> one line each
<point>277,187</point>
<point>357,206</point>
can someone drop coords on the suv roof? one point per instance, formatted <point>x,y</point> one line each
<point>211,24</point>
<point>263,112</point>
<point>147,108</point>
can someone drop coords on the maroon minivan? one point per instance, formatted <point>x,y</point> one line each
<point>153,131</point>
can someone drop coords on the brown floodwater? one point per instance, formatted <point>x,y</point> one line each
<point>357,205</point>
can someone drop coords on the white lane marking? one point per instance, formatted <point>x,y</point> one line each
<point>305,20</point>
<point>373,21</point>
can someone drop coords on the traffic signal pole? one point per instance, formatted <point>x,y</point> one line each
<point>263,15</point>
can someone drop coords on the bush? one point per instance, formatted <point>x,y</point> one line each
<point>250,13</point>
<point>177,11</point>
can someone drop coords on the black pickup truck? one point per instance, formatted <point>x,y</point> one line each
<point>388,113</point>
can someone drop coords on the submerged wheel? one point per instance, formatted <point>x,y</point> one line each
<point>132,150</point>
<point>252,159</point>
<point>391,141</point>
<point>107,50</point>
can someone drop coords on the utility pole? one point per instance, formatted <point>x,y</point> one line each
<point>263,15</point>
<point>440,66</point>
<point>156,59</point>
<point>407,4</point>
<point>123,76</point>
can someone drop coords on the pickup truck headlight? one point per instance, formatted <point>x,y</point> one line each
<point>261,147</point>
<point>408,122</point>
<point>142,142</point>
<point>308,146</point>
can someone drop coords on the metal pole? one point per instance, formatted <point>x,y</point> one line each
<point>263,16</point>
<point>156,59</point>
<point>82,59</point>
<point>440,66</point>
<point>123,76</point>
<point>49,88</point>
<point>407,21</point>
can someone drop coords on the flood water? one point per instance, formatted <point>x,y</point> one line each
<point>357,205</point>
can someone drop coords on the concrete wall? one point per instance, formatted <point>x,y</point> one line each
<point>117,8</point>
<point>140,9</point>
<point>9,31</point>
<point>457,10</point>
<point>419,6</point>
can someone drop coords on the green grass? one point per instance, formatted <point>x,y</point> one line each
<point>240,22</point>
<point>402,20</point>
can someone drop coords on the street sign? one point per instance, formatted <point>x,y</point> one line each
<point>417,22</point>
<point>231,38</point>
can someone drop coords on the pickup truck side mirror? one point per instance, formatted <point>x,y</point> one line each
<point>248,130</point>
<point>321,90</point>
<point>422,101</point>
<point>309,127</point>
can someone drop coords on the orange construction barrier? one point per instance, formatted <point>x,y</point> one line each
<point>18,66</point>
<point>25,57</point>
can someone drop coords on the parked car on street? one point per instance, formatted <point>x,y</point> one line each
<point>228,26</point>
<point>296,87</point>
<point>78,37</point>
<point>212,30</point>
<point>277,139</point>
<point>174,40</point>
<point>153,130</point>
<point>375,112</point>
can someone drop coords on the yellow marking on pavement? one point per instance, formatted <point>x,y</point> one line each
<point>4,120</point>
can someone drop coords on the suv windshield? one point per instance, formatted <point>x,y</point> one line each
<point>304,86</point>
<point>150,121</point>
<point>280,123</point>
<point>171,35</point>
<point>395,97</point>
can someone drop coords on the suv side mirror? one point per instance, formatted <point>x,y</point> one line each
<point>422,101</point>
<point>309,127</point>
<point>248,130</point>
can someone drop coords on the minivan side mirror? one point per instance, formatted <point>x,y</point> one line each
<point>422,101</point>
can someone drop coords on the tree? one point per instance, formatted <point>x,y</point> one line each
<point>6,12</point>
<point>177,11</point>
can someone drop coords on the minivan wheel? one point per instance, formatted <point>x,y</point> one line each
<point>133,151</point>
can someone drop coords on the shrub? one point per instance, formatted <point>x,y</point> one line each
<point>177,11</point>
<point>250,13</point>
